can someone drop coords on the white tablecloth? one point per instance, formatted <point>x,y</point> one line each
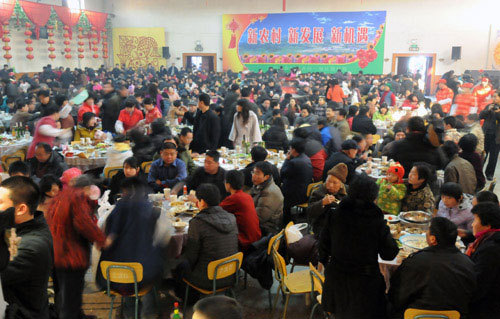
<point>85,164</point>
<point>12,148</point>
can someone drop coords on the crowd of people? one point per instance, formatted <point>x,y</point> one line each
<point>327,125</point>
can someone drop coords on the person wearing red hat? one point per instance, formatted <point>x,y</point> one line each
<point>482,92</point>
<point>465,100</point>
<point>444,96</point>
<point>392,190</point>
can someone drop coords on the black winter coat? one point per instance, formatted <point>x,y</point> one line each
<point>275,138</point>
<point>363,124</point>
<point>486,301</point>
<point>206,132</point>
<point>353,237</point>
<point>437,278</point>
<point>414,149</point>
<point>25,279</point>
<point>340,157</point>
<point>212,235</point>
<point>110,110</point>
<point>296,174</point>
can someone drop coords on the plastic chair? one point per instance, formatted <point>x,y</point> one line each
<point>289,284</point>
<point>146,166</point>
<point>492,185</point>
<point>290,224</point>
<point>310,188</point>
<point>273,243</point>
<point>9,159</point>
<point>412,313</point>
<point>123,273</point>
<point>109,172</point>
<point>317,280</point>
<point>218,269</point>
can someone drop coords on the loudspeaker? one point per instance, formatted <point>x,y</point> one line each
<point>456,53</point>
<point>166,53</point>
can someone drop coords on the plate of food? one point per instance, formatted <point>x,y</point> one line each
<point>391,218</point>
<point>415,217</point>
<point>413,242</point>
<point>178,209</point>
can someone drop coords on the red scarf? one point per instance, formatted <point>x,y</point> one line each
<point>479,239</point>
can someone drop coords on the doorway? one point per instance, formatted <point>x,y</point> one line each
<point>413,63</point>
<point>200,61</point>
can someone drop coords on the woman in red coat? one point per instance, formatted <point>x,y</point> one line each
<point>241,205</point>
<point>88,106</point>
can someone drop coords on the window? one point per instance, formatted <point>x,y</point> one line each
<point>76,4</point>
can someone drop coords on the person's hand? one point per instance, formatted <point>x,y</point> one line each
<point>158,182</point>
<point>194,154</point>
<point>58,125</point>
<point>328,199</point>
<point>321,268</point>
<point>14,242</point>
<point>108,242</point>
<point>289,155</point>
<point>462,233</point>
<point>192,198</point>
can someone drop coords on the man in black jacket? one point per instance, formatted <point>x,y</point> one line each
<point>362,123</point>
<point>485,253</point>
<point>438,277</point>
<point>491,128</point>
<point>25,279</point>
<point>206,128</point>
<point>111,106</point>
<point>228,112</point>
<point>46,161</point>
<point>347,156</point>
<point>211,173</point>
<point>414,148</point>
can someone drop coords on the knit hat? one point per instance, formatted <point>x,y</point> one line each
<point>398,170</point>
<point>339,171</point>
<point>69,174</point>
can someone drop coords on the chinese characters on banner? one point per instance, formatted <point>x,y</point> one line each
<point>314,42</point>
<point>302,35</point>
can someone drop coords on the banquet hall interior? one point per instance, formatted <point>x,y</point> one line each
<point>249,159</point>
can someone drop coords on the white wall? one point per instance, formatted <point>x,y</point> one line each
<point>437,25</point>
<point>40,47</point>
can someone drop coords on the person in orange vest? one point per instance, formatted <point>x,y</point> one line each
<point>444,96</point>
<point>482,92</point>
<point>465,100</point>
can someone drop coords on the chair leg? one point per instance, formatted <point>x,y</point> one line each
<point>286,305</point>
<point>136,307</point>
<point>111,307</point>
<point>276,298</point>
<point>313,310</point>
<point>186,298</point>
<point>293,266</point>
<point>270,299</point>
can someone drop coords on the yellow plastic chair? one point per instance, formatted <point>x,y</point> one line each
<point>109,172</point>
<point>317,281</point>
<point>146,166</point>
<point>310,188</point>
<point>123,273</point>
<point>412,313</point>
<point>9,159</point>
<point>289,284</point>
<point>376,138</point>
<point>218,269</point>
<point>290,224</point>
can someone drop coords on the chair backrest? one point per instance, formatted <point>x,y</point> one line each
<point>290,224</point>
<point>224,267</point>
<point>412,313</point>
<point>317,279</point>
<point>146,166</point>
<point>109,172</point>
<point>9,159</point>
<point>274,241</point>
<point>493,183</point>
<point>376,138</point>
<point>122,273</point>
<point>279,265</point>
<point>311,187</point>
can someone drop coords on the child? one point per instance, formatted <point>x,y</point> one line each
<point>152,113</point>
<point>392,190</point>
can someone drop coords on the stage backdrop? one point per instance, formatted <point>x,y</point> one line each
<point>138,46</point>
<point>314,42</point>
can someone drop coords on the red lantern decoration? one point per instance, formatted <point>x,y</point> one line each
<point>80,29</point>
<point>81,50</point>
<point>95,42</point>
<point>80,43</point>
<point>28,41</point>
<point>80,36</point>
<point>95,56</point>
<point>67,42</point>
<point>50,41</point>
<point>67,49</point>
<point>105,56</point>
<point>68,56</point>
<point>104,36</point>
<point>95,49</point>
<point>66,28</point>
<point>66,35</point>
<point>6,40</point>
<point>81,56</point>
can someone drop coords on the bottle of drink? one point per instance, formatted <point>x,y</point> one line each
<point>13,128</point>
<point>176,314</point>
<point>184,190</point>
<point>27,132</point>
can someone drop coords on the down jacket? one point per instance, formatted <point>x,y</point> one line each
<point>268,201</point>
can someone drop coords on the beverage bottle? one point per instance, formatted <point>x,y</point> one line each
<point>176,314</point>
<point>185,190</point>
